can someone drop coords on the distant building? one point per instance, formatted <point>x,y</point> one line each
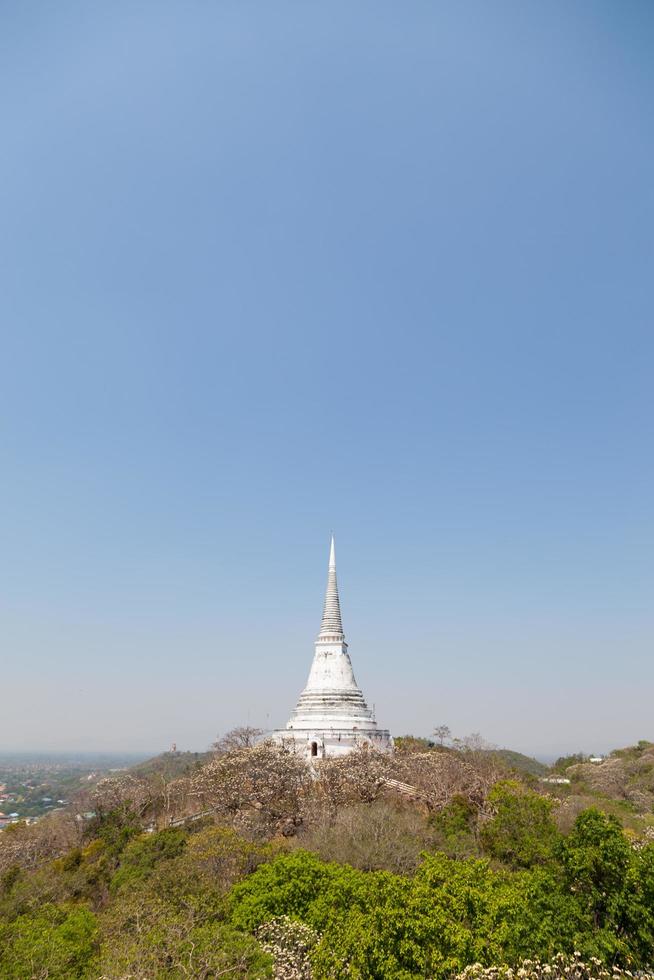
<point>332,717</point>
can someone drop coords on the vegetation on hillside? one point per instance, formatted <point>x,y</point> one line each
<point>171,765</point>
<point>250,864</point>
<point>521,763</point>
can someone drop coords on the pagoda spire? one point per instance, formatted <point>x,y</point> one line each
<point>331,617</point>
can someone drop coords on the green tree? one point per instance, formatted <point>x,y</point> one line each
<point>55,942</point>
<point>455,828</point>
<point>638,904</point>
<point>380,925</point>
<point>143,854</point>
<point>565,761</point>
<point>290,885</point>
<point>115,828</point>
<point>521,833</point>
<point>595,857</point>
<point>145,935</point>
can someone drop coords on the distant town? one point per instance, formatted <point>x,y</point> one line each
<point>32,787</point>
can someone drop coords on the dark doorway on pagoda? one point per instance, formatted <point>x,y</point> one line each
<point>314,749</point>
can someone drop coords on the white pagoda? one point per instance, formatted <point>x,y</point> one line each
<point>331,717</point>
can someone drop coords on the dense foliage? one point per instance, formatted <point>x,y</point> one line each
<point>338,874</point>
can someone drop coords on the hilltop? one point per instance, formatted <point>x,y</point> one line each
<point>171,765</point>
<point>515,761</point>
<point>518,762</point>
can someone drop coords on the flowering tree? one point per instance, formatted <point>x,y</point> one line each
<point>359,777</point>
<point>263,787</point>
<point>290,943</point>
<point>561,967</point>
<point>23,846</point>
<point>441,776</point>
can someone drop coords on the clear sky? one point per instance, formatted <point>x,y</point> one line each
<point>273,269</point>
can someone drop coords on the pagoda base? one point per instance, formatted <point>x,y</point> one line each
<point>320,743</point>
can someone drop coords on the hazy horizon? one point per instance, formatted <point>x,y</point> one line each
<point>136,757</point>
<point>269,271</point>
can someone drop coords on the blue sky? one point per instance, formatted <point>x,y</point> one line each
<point>269,270</point>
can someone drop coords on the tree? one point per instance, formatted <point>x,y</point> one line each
<point>455,828</point>
<point>638,908</point>
<point>521,831</point>
<point>147,936</point>
<point>564,761</point>
<point>260,788</point>
<point>290,943</point>
<point>384,835</point>
<point>243,737</point>
<point>560,966</point>
<point>360,776</point>
<point>440,776</point>
<point>53,943</point>
<point>26,846</point>
<point>218,857</point>
<point>442,733</point>
<point>142,855</point>
<point>405,744</point>
<point>431,924</point>
<point>473,743</point>
<point>124,801</point>
<point>596,857</point>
